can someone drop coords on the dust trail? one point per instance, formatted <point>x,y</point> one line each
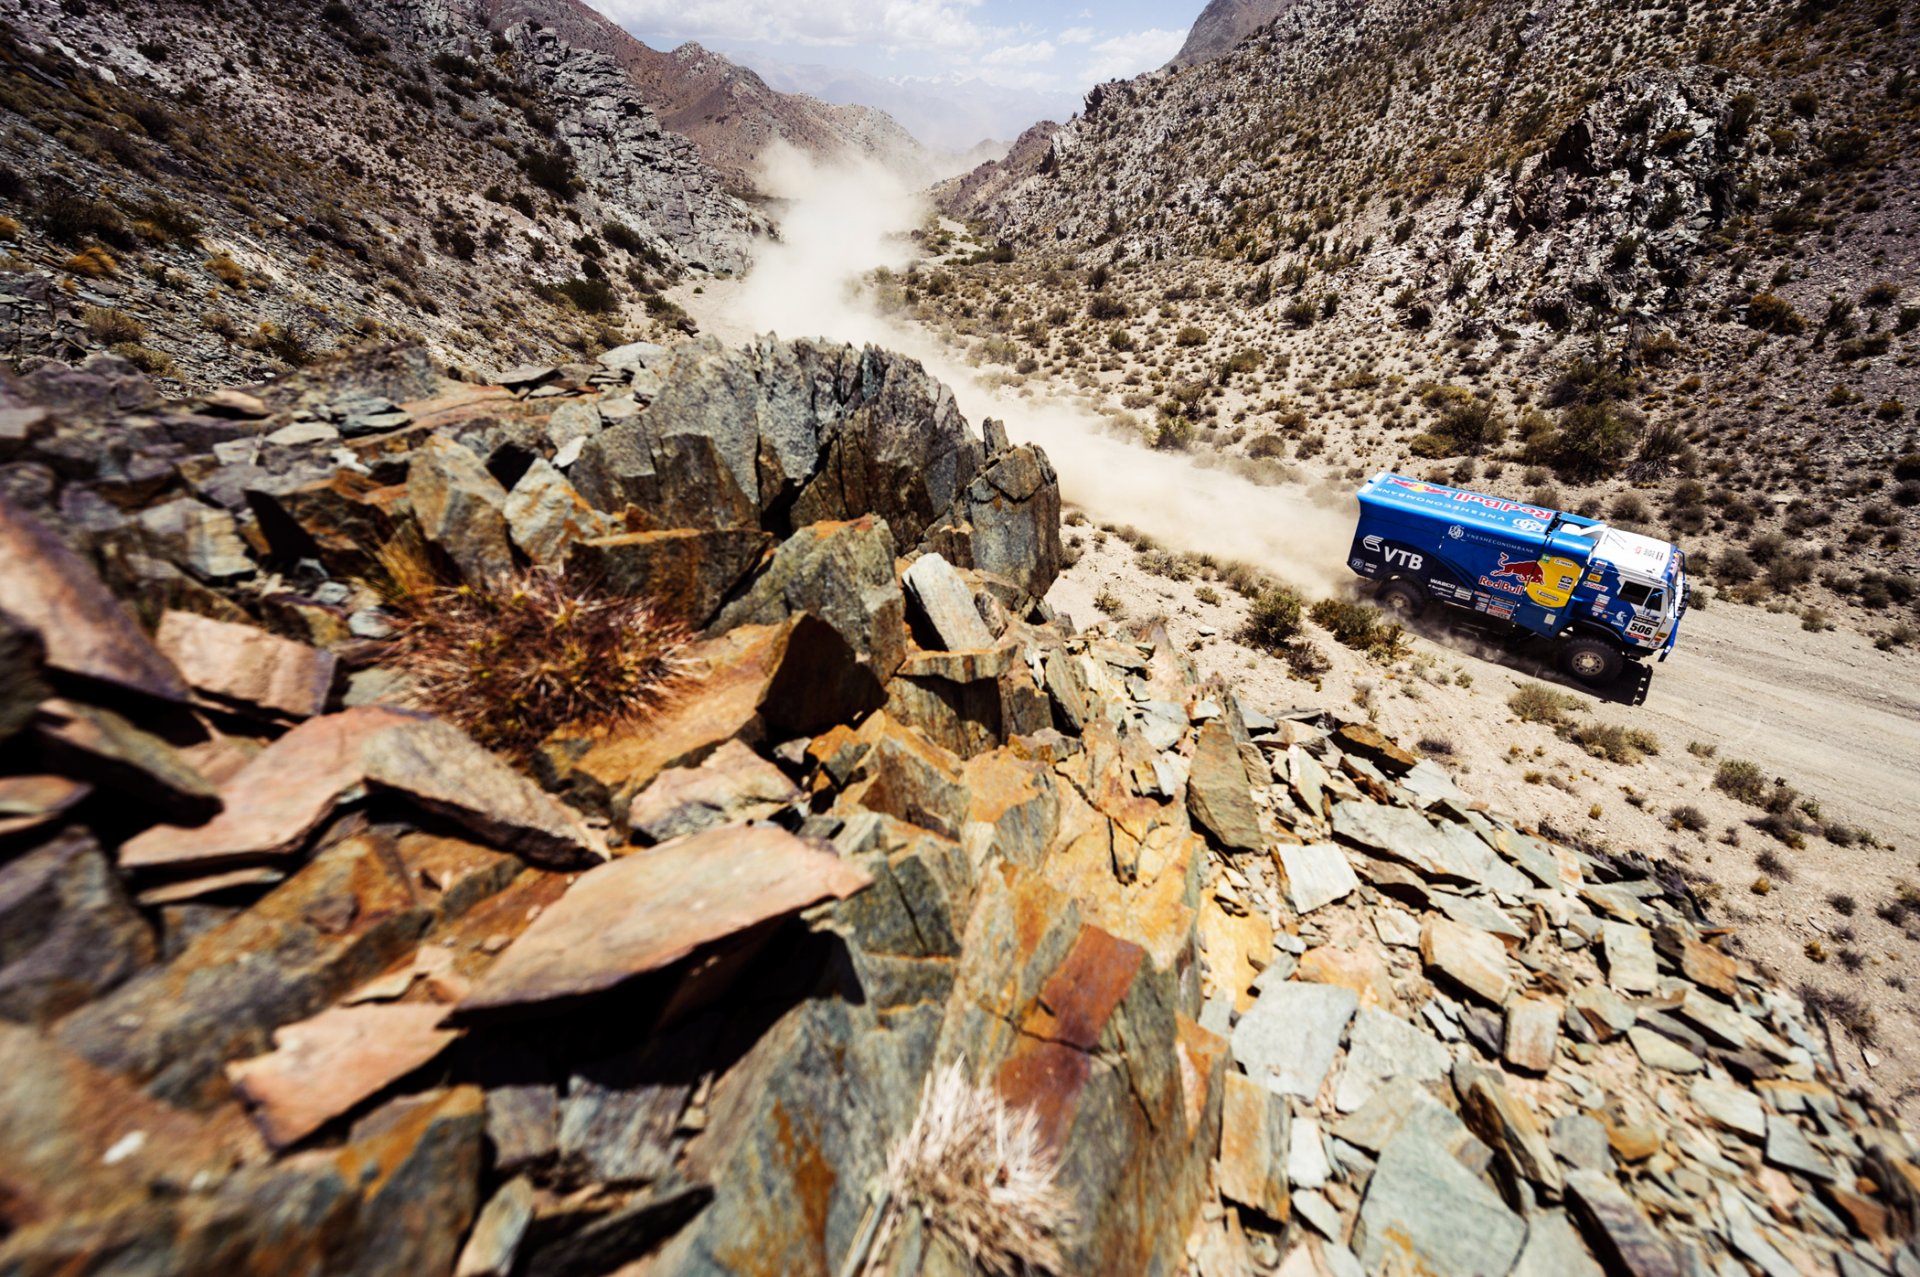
<point>842,220</point>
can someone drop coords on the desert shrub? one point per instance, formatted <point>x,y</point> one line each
<point>1772,313</point>
<point>1105,307</point>
<point>512,662</point>
<point>1300,312</point>
<point>1190,336</point>
<point>1591,441</point>
<point>1362,627</point>
<point>551,171</point>
<point>92,263</point>
<point>104,324</point>
<point>227,271</point>
<point>68,217</point>
<point>1743,780</point>
<point>1538,703</point>
<point>1687,817</point>
<point>594,296</point>
<point>1472,425</point>
<point>1613,742</point>
<point>1590,380</point>
<point>1273,619</point>
<point>1121,340</point>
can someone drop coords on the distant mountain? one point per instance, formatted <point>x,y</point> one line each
<point>726,109</point>
<point>951,116</point>
<point>1225,23</point>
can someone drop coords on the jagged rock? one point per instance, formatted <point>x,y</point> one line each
<point>460,509</point>
<point>1471,958</point>
<point>341,520</point>
<point>1219,794</point>
<point>86,631</point>
<point>495,1241</point>
<point>67,933</point>
<point>943,601</point>
<point>1007,522</point>
<point>203,540</point>
<point>686,572</point>
<point>905,775</point>
<point>30,803</point>
<point>633,356</point>
<point>653,908</point>
<point>347,915</point>
<point>757,682</point>
<point>1253,1147</point>
<point>276,801</point>
<point>841,573</point>
<point>732,784</point>
<point>1615,1228</point>
<point>1532,1033</point>
<point>245,667</point>
<point>22,682</point>
<point>1316,875</point>
<point>323,1066</point>
<point>102,748</point>
<point>546,515</point>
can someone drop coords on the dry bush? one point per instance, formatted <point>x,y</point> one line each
<point>1613,742</point>
<point>1361,626</point>
<point>1538,703</point>
<point>514,662</point>
<point>980,1173</point>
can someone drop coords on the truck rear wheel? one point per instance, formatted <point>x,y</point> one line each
<point>1402,600</point>
<point>1593,661</point>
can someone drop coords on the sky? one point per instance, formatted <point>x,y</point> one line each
<point>1053,49</point>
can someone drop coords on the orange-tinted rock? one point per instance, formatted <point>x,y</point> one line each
<point>1360,970</point>
<point>342,520</point>
<point>28,803</point>
<point>240,665</point>
<point>323,1066</point>
<point>686,571</point>
<point>276,801</point>
<point>1234,944</point>
<point>906,775</point>
<point>84,629</point>
<point>1371,744</point>
<point>655,907</point>
<point>733,784</point>
<point>100,747</point>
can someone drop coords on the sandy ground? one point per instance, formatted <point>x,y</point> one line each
<point>1825,711</point>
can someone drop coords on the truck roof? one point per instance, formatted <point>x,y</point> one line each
<point>1456,505</point>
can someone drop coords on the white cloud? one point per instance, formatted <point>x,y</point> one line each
<point>1019,55</point>
<point>1077,35</point>
<point>894,24</point>
<point>1128,55</point>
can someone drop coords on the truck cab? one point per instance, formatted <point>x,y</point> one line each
<point>1601,594</point>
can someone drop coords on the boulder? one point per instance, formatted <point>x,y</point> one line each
<point>1007,522</point>
<point>86,631</point>
<point>841,573</point>
<point>340,920</point>
<point>240,666</point>
<point>732,784</point>
<point>944,603</point>
<point>289,789</point>
<point>1219,794</point>
<point>545,515</point>
<point>102,748</point>
<point>460,509</point>
<point>655,907</point>
<point>687,572</point>
<point>67,932</point>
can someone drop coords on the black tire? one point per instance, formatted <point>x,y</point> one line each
<point>1401,600</point>
<point>1593,661</point>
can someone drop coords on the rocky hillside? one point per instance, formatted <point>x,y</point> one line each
<point>727,110</point>
<point>1223,24</point>
<point>292,178</point>
<point>1641,260</point>
<point>856,915</point>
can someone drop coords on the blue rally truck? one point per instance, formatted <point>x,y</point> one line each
<point>1604,596</point>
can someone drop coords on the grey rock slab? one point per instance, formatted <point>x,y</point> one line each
<point>944,600</point>
<point>1581,1143</point>
<point>1630,962</point>
<point>1475,912</point>
<point>1789,1149</point>
<point>1554,1249</point>
<point>497,1233</point>
<point>1616,1230</point>
<point>1403,1104</point>
<point>633,356</point>
<point>1287,1039</point>
<point>1743,1232</point>
<point>1396,927</point>
<point>1383,1046</point>
<point>1657,1051</point>
<point>1321,1215</point>
<point>1730,1106</point>
<point>1318,874</point>
<point>1425,1211</point>
<point>1428,783</point>
<point>1307,1165</point>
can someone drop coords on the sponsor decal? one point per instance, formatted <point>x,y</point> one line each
<point>1547,581</point>
<point>1529,525</point>
<point>1456,532</point>
<point>1500,610</point>
<point>1506,587</point>
<point>1394,554</point>
<point>1495,504</point>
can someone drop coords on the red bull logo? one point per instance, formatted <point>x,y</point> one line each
<point>1548,581</point>
<point>1527,573</point>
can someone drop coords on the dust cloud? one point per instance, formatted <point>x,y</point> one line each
<point>842,220</point>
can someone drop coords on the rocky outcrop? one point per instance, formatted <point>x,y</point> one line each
<point>1272,992</point>
<point>1223,24</point>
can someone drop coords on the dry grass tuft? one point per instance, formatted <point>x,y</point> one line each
<point>981,1174</point>
<point>513,663</point>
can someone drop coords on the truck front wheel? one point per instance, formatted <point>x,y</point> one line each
<point>1402,600</point>
<point>1593,661</point>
